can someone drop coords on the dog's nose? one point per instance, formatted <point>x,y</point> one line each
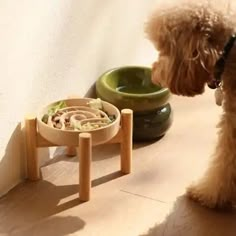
<point>157,77</point>
<point>211,84</point>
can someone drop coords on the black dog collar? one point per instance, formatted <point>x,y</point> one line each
<point>220,64</point>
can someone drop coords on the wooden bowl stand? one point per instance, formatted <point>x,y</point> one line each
<point>124,136</point>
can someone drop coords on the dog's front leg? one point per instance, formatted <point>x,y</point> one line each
<point>217,187</point>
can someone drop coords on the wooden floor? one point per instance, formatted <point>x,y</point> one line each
<point>150,201</point>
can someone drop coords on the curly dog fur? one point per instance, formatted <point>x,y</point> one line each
<point>190,39</point>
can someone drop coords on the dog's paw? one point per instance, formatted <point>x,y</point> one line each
<point>208,199</point>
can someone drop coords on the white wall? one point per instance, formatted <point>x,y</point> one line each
<point>50,49</point>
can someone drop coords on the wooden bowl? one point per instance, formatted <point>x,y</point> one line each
<point>71,137</point>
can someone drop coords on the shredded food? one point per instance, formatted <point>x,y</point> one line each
<point>78,118</point>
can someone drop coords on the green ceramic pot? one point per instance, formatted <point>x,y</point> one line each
<point>152,124</point>
<point>131,87</point>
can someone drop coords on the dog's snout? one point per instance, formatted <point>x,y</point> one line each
<point>158,76</point>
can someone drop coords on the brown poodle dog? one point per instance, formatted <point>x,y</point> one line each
<point>196,47</point>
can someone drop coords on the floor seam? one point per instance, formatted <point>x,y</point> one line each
<point>146,197</point>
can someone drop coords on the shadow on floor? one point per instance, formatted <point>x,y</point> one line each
<point>35,201</point>
<point>32,202</point>
<point>100,152</point>
<point>57,225</point>
<point>188,218</point>
<point>39,201</point>
<point>106,178</point>
<point>42,196</point>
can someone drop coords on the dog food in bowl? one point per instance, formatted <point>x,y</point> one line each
<point>78,118</point>
<point>61,122</point>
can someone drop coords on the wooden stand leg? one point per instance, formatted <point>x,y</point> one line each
<point>85,154</point>
<point>71,151</point>
<point>31,148</point>
<point>126,140</point>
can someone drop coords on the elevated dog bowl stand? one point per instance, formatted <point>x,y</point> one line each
<point>124,137</point>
